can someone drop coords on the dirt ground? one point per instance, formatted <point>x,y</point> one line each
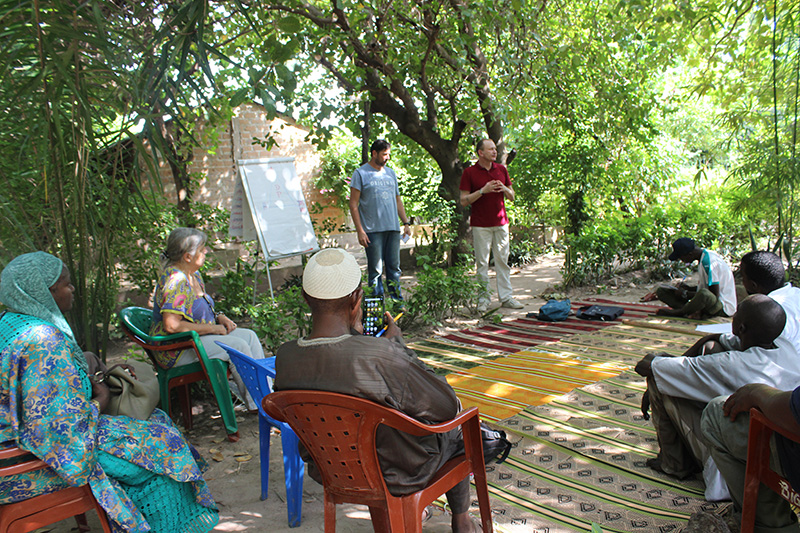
<point>234,473</point>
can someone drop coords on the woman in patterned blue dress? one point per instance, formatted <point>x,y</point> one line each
<point>142,472</point>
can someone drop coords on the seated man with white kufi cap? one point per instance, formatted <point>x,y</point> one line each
<point>337,357</point>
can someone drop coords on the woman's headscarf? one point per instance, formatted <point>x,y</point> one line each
<point>25,288</point>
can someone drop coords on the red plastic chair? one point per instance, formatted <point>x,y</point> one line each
<point>758,470</point>
<point>41,511</point>
<point>339,432</point>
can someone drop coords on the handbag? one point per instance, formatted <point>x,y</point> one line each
<point>495,444</point>
<point>604,313</point>
<point>133,397</point>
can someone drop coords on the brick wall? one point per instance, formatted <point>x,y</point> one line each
<point>235,142</point>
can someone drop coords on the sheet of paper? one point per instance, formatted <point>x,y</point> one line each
<point>714,328</point>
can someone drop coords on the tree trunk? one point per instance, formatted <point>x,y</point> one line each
<point>449,189</point>
<point>366,155</point>
<point>178,165</point>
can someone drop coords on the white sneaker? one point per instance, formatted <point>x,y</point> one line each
<point>483,307</point>
<point>511,303</point>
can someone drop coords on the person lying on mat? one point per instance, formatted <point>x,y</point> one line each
<point>725,424</point>
<point>142,472</point>
<point>715,293</point>
<point>762,273</point>
<point>337,357</point>
<point>678,388</point>
<point>181,303</point>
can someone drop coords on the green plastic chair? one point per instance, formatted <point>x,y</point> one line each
<point>136,324</point>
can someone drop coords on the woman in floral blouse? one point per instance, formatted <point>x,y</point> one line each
<point>181,303</point>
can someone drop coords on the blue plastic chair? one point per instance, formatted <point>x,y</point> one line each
<point>254,373</point>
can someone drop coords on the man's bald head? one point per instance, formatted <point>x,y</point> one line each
<point>760,320</point>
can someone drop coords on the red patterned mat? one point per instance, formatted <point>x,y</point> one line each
<point>523,333</point>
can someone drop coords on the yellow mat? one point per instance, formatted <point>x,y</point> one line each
<point>503,387</point>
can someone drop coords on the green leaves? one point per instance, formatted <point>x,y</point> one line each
<point>82,86</point>
<point>240,96</point>
<point>440,293</point>
<point>289,24</point>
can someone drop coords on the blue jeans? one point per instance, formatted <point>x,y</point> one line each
<point>384,249</point>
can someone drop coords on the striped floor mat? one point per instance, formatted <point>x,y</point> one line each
<point>572,407</point>
<point>580,460</point>
<point>502,384</point>
<point>502,387</point>
<point>523,333</point>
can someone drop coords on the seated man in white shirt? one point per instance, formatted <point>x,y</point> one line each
<point>678,388</point>
<point>762,273</point>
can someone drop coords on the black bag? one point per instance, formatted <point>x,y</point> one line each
<point>495,444</point>
<point>600,312</point>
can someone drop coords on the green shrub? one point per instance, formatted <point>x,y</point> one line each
<point>617,242</point>
<point>439,293</point>
<point>436,246</point>
<point>522,252</point>
<point>236,289</point>
<point>282,320</point>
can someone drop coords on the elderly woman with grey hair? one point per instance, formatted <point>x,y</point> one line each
<point>182,304</point>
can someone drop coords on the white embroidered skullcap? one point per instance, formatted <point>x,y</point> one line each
<point>330,274</point>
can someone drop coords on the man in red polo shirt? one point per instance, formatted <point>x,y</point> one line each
<point>485,186</point>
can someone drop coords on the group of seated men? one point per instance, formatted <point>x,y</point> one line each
<point>700,401</point>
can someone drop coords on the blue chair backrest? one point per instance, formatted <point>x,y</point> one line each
<point>254,373</point>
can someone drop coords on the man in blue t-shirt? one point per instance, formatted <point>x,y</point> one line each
<point>375,205</point>
<point>727,433</point>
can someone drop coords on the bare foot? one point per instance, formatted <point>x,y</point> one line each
<point>463,523</point>
<point>427,513</point>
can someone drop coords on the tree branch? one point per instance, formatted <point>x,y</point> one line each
<point>480,83</point>
<point>308,12</point>
<point>431,32</point>
<point>343,81</point>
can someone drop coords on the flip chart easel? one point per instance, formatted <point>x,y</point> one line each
<point>268,204</point>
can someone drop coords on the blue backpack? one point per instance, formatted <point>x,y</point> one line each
<point>554,310</point>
